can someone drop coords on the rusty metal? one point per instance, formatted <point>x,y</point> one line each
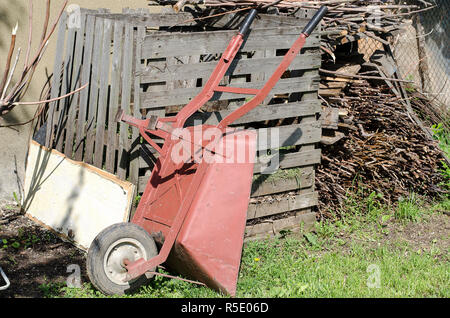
<point>177,278</point>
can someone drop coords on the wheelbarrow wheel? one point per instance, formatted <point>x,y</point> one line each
<point>109,250</point>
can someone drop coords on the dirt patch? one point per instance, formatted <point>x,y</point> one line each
<point>431,232</point>
<point>33,258</point>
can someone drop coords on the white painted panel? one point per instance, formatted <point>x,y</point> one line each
<point>72,198</point>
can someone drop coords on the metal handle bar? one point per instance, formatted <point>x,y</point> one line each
<point>248,22</point>
<point>309,28</point>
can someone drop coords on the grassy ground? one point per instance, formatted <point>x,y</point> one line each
<point>371,251</point>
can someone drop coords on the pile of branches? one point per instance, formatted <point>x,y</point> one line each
<point>383,150</point>
<point>346,20</point>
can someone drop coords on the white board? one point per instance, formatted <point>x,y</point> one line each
<point>72,198</point>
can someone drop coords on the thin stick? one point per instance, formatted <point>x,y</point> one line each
<point>11,73</point>
<point>38,113</point>
<point>47,18</point>
<point>53,99</point>
<point>338,74</point>
<point>271,4</point>
<point>20,91</point>
<point>210,16</point>
<point>8,60</point>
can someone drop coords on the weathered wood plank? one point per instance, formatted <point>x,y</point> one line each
<point>56,81</point>
<point>260,187</point>
<point>231,21</point>
<point>85,76</point>
<point>65,88</point>
<point>116,70</point>
<point>134,162</point>
<point>94,12</point>
<point>287,204</point>
<point>162,71</point>
<point>125,102</point>
<point>73,102</point>
<point>94,85</point>
<point>301,221</point>
<point>262,113</point>
<point>103,94</point>
<point>291,135</point>
<point>330,118</point>
<point>174,44</point>
<point>290,160</point>
<point>309,119</point>
<point>148,19</point>
<point>184,95</point>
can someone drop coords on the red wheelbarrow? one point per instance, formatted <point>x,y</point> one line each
<point>192,214</point>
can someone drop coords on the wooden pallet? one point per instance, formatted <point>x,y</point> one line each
<point>132,62</point>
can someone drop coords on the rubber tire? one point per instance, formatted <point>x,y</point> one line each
<point>99,247</point>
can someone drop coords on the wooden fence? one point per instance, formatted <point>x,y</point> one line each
<point>153,64</point>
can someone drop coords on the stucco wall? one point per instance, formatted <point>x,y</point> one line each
<point>14,141</point>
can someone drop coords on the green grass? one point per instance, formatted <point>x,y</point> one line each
<point>347,257</point>
<point>288,268</point>
<point>409,209</point>
<point>284,271</point>
<point>441,134</point>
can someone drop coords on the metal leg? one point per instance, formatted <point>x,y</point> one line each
<point>5,279</point>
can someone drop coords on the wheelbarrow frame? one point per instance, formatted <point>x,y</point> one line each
<point>168,128</point>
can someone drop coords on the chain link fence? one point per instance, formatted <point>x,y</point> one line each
<point>433,29</point>
<point>421,50</point>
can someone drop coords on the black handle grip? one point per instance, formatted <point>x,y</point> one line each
<point>309,28</point>
<point>245,26</point>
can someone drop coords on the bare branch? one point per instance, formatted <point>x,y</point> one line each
<point>11,73</point>
<point>8,59</point>
<point>53,99</point>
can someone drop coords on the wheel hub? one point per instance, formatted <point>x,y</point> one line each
<point>123,250</point>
